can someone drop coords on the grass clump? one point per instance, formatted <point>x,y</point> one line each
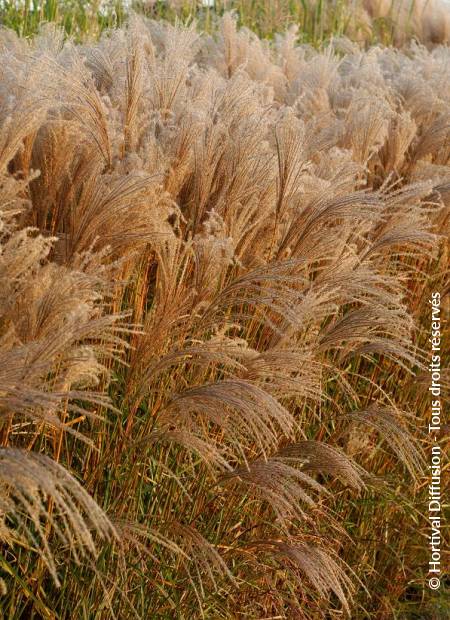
<point>216,260</point>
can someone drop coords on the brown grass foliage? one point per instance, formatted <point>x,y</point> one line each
<point>426,20</point>
<point>216,259</point>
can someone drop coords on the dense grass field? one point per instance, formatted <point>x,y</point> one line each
<point>219,242</point>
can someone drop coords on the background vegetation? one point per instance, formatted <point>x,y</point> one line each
<point>369,21</point>
<point>217,252</point>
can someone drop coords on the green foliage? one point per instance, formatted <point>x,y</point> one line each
<point>318,20</point>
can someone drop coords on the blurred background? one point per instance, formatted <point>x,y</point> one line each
<point>365,21</point>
